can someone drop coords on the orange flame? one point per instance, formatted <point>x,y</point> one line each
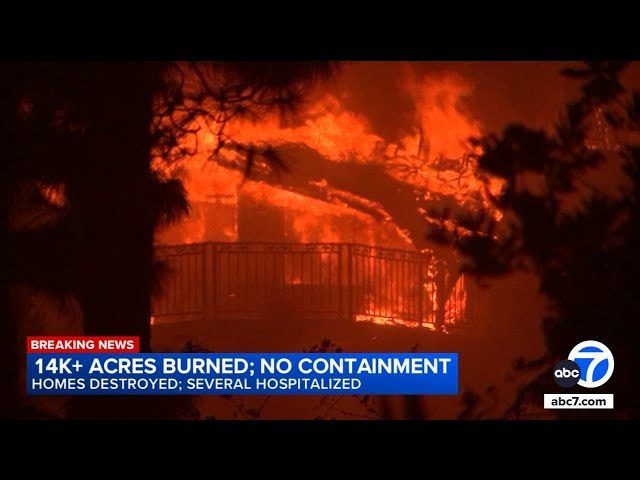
<point>393,320</point>
<point>54,194</point>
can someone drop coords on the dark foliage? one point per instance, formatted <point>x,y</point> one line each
<point>578,238</point>
<point>91,131</point>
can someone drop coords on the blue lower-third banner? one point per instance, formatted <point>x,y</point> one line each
<point>242,374</point>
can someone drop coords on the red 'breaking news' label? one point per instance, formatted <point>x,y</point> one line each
<point>83,344</point>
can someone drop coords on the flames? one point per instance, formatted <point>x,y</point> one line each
<point>441,116</point>
<point>434,157</point>
<point>454,309</point>
<point>327,127</point>
<point>54,194</point>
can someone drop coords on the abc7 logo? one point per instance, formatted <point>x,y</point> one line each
<point>597,363</point>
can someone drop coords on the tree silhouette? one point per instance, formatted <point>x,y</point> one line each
<point>579,237</point>
<point>91,130</point>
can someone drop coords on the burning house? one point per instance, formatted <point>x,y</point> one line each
<point>341,233</point>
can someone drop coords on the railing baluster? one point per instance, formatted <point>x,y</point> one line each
<point>349,283</point>
<point>339,282</point>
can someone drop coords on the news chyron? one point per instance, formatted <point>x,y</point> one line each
<point>115,366</point>
<point>589,365</point>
